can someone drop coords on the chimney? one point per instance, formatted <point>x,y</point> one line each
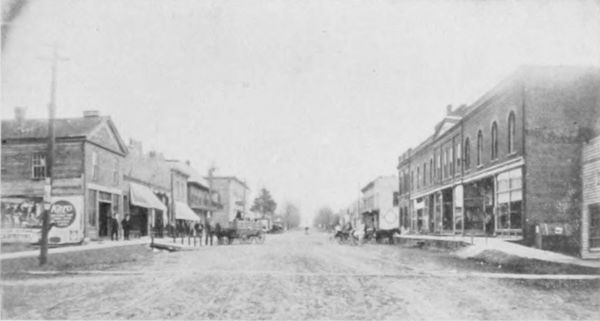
<point>187,162</point>
<point>448,109</point>
<point>91,113</point>
<point>20,113</point>
<point>135,147</point>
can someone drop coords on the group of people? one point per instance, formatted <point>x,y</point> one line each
<point>205,230</point>
<point>114,227</point>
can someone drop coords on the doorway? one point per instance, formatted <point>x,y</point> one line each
<point>103,218</point>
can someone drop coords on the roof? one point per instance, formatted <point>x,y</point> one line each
<point>80,127</point>
<point>38,128</point>
<point>371,184</point>
<point>231,178</point>
<point>193,175</point>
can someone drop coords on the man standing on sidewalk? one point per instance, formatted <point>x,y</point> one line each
<point>126,223</point>
<point>114,228</point>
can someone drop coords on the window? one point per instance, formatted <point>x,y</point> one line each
<point>431,171</point>
<point>467,153</point>
<point>92,207</point>
<point>451,159</point>
<point>418,176</point>
<point>424,174</point>
<point>458,153</point>
<point>445,160</point>
<point>494,140</point>
<point>439,166</point>
<point>116,172</point>
<point>412,180</point>
<point>594,210</point>
<point>38,165</point>
<point>396,199</point>
<point>435,165</point>
<point>95,166</point>
<point>479,147</point>
<point>511,132</point>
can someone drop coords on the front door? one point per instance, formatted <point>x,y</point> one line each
<point>103,218</point>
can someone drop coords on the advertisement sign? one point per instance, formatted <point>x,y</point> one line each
<point>22,220</point>
<point>66,218</point>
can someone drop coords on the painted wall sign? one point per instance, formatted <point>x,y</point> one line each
<point>62,213</point>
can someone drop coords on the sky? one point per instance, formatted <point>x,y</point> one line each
<point>311,99</point>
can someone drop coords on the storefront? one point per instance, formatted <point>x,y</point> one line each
<point>145,209</point>
<point>185,217</point>
<point>509,203</point>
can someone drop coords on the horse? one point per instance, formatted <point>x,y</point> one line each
<point>386,234</point>
<point>220,232</point>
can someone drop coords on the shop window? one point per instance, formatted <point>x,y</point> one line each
<point>38,164</point>
<point>594,211</point>
<point>467,154</point>
<point>494,140</point>
<point>509,195</point>
<point>479,147</point>
<point>92,207</point>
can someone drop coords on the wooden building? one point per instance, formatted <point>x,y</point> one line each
<point>87,171</point>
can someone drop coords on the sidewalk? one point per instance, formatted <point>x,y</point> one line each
<point>470,247</point>
<point>93,245</point>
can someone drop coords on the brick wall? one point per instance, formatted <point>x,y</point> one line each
<point>558,107</point>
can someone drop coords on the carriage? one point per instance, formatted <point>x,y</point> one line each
<point>245,232</point>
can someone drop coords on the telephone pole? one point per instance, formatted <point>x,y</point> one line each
<point>54,59</point>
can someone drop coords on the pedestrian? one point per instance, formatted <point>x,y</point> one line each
<point>126,224</point>
<point>114,228</point>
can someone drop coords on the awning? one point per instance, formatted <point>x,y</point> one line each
<point>142,196</point>
<point>184,212</point>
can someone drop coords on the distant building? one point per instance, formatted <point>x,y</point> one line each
<point>379,203</point>
<point>510,164</point>
<point>147,190</point>
<point>198,191</point>
<point>87,174</point>
<point>590,224</point>
<point>233,194</point>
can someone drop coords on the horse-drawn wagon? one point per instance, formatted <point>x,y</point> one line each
<point>245,232</point>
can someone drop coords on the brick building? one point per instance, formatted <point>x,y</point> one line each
<point>87,174</point>
<point>507,163</point>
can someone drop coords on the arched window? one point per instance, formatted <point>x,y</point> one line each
<point>467,154</point>
<point>511,132</point>
<point>479,147</point>
<point>494,140</point>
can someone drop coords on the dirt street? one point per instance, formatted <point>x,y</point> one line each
<point>295,276</point>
